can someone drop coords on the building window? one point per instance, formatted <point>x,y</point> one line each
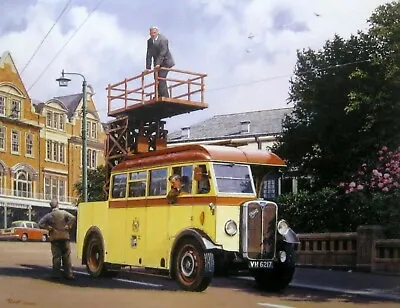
<point>2,105</point>
<point>91,159</point>
<point>15,109</point>
<point>2,138</point>
<point>29,144</point>
<point>49,119</point>
<point>54,187</point>
<point>14,141</point>
<point>61,121</point>
<point>2,178</point>
<point>94,130</point>
<point>55,120</point>
<point>91,129</point>
<point>62,152</point>
<point>22,184</point>
<point>55,151</point>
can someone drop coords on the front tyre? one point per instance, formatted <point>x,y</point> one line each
<point>280,277</point>
<point>194,267</point>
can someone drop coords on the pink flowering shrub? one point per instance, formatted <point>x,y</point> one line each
<point>383,175</point>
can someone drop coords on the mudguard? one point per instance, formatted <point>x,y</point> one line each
<point>203,239</point>
<point>291,237</point>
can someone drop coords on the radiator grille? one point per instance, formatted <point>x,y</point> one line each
<point>258,224</point>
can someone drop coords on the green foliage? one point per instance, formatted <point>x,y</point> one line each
<point>96,179</point>
<point>329,211</point>
<point>346,102</point>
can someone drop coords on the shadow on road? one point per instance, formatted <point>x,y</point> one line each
<point>43,273</point>
<point>137,281</point>
<point>295,294</point>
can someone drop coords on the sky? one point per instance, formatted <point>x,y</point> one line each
<point>234,42</point>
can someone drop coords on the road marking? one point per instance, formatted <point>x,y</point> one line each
<point>148,284</point>
<point>273,305</point>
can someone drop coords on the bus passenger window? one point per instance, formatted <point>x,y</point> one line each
<point>158,182</point>
<point>203,184</point>
<point>137,184</point>
<point>119,186</point>
<point>186,174</point>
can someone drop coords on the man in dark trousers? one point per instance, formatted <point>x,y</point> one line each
<point>59,222</point>
<point>158,50</point>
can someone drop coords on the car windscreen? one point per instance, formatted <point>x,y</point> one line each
<point>233,178</point>
<point>17,225</point>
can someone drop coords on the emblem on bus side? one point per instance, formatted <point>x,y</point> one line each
<point>135,225</point>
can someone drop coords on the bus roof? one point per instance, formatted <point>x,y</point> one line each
<point>196,152</point>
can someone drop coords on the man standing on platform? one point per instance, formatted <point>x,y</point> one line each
<point>158,50</point>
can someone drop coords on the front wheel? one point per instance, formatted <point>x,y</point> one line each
<point>282,274</point>
<point>194,267</point>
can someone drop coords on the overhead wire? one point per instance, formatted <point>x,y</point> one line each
<point>45,37</point>
<point>65,45</point>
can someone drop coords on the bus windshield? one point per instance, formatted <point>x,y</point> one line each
<point>233,178</point>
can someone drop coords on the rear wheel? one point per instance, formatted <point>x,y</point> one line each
<point>193,268</point>
<point>44,238</point>
<point>95,264</point>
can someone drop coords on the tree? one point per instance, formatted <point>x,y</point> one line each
<point>96,179</point>
<point>346,101</point>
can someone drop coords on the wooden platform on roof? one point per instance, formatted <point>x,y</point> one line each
<point>137,97</point>
<point>160,108</point>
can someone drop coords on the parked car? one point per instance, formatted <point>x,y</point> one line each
<point>25,231</point>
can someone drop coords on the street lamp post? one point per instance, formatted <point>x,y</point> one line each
<point>63,82</point>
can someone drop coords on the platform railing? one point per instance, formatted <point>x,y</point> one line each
<point>142,88</point>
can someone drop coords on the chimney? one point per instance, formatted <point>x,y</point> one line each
<point>185,132</point>
<point>245,126</point>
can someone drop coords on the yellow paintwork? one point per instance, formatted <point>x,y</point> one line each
<point>223,214</point>
<point>155,227</point>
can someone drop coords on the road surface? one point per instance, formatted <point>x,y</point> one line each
<point>25,282</point>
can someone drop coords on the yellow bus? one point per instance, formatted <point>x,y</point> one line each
<point>190,210</point>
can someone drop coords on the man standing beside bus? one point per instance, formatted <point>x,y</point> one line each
<point>59,223</point>
<point>158,51</point>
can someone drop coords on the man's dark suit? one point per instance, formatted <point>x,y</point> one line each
<point>159,51</point>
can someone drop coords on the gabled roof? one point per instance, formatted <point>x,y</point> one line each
<point>71,102</point>
<point>3,59</point>
<point>262,122</point>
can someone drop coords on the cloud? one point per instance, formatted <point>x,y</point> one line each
<point>209,36</point>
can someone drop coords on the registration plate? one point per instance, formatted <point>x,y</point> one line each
<point>261,264</point>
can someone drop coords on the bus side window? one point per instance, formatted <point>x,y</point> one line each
<point>137,184</point>
<point>202,179</point>
<point>119,186</point>
<point>158,182</point>
<point>186,174</point>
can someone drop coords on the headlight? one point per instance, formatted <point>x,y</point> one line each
<point>283,227</point>
<point>230,227</point>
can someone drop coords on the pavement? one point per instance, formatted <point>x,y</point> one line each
<point>373,285</point>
